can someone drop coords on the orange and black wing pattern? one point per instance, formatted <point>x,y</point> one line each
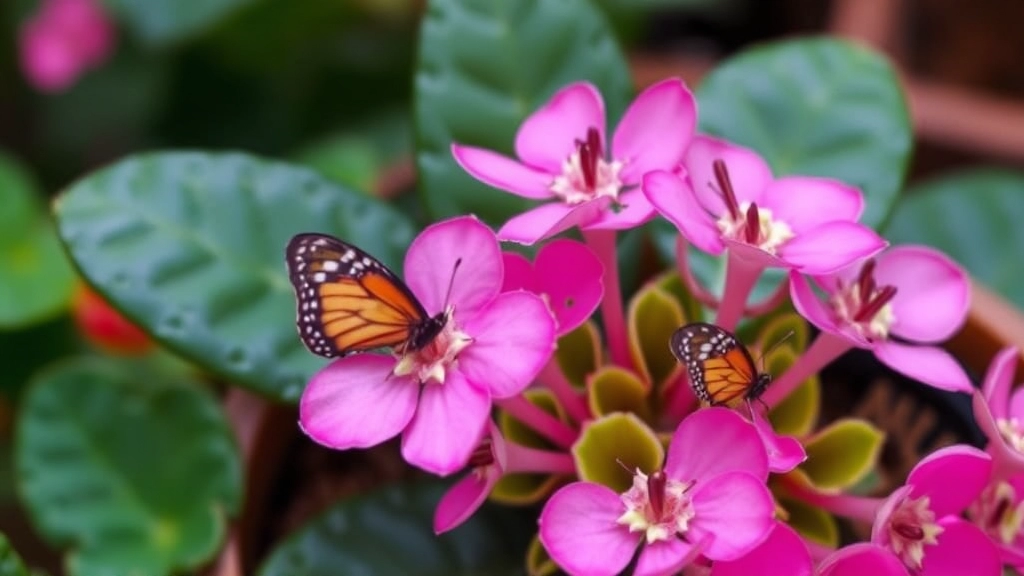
<point>720,369</point>
<point>347,301</point>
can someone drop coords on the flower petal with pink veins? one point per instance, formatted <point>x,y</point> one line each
<point>655,130</point>
<point>633,210</point>
<point>998,381</point>
<point>748,172</point>
<point>548,136</point>
<point>784,452</point>
<point>804,202</point>
<point>831,247</point>
<point>462,500</point>
<point>430,266</point>
<point>808,305</point>
<point>714,441</point>
<point>664,557</point>
<point>931,365</point>
<point>970,467</point>
<point>513,338</point>
<point>862,559</point>
<point>571,276</point>
<point>355,402</point>
<point>672,197</point>
<point>962,549</point>
<point>579,529</point>
<point>447,426</point>
<point>736,510</point>
<point>932,296</point>
<point>783,552</point>
<point>550,219</point>
<point>519,273</point>
<point>503,173</point>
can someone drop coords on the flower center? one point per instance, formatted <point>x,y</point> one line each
<point>1013,432</point>
<point>657,506</point>
<point>586,175</point>
<point>995,513</point>
<point>746,222</point>
<point>864,305</point>
<point>433,361</point>
<point>912,526</point>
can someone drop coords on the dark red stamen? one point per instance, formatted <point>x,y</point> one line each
<point>997,514</point>
<point>590,153</point>
<point>909,531</point>
<point>875,304</point>
<point>483,455</point>
<point>725,189</point>
<point>866,280</point>
<point>753,231</point>
<point>656,492</point>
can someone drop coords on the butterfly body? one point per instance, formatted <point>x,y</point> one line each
<point>348,301</point>
<point>721,370</point>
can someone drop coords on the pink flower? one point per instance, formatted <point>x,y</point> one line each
<point>566,274</point>
<point>561,150</point>
<point>783,552</point>
<point>728,198</point>
<point>861,560</point>
<point>63,40</point>
<point>710,499</point>
<point>920,522</point>
<point>439,397</point>
<point>914,293</point>
<point>999,411</point>
<point>999,513</point>
<point>784,452</point>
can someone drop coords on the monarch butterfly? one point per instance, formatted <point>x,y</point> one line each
<point>721,370</point>
<point>348,301</point>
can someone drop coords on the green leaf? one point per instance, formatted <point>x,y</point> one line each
<point>538,561</point>
<point>23,352</point>
<point>389,531</point>
<point>974,216</point>
<point>526,487</point>
<point>811,522</point>
<point>190,247</point>
<point>798,412</point>
<point>10,562</point>
<point>22,204</point>
<point>615,389</point>
<point>618,440</point>
<point>483,67</point>
<point>579,353</point>
<point>816,106</point>
<point>841,454</point>
<point>653,316</point>
<point>159,22</point>
<point>134,475</point>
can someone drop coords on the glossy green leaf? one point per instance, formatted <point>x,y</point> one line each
<point>132,474</point>
<point>671,284</point>
<point>653,315</point>
<point>974,216</point>
<point>788,328</point>
<point>816,106</point>
<point>615,389</point>
<point>10,562</point>
<point>579,353</point>
<point>347,160</point>
<point>190,247</point>
<point>843,453</point>
<point>483,67</point>
<point>538,561</point>
<point>390,532</point>
<point>612,442</point>
<point>160,22</point>
<point>797,414</point>
<point>811,522</point>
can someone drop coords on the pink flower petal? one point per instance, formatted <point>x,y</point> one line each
<point>714,441</point>
<point>931,477</point>
<point>753,255</point>
<point>550,219</point>
<point>513,339</point>
<point>579,529</point>
<point>519,273</point>
<point>633,210</point>
<point>503,173</point>
<point>999,380</point>
<point>655,130</point>
<point>783,552</point>
<point>664,557</point>
<point>49,61</point>
<point>808,305</point>
<point>1003,452</point>
<point>462,500</point>
<point>448,425</point>
<point>962,549</point>
<point>805,202</point>
<point>570,274</point>
<point>735,509</point>
<point>748,172</point>
<point>548,136</point>
<point>676,202</point>
<point>784,452</point>
<point>862,559</point>
<point>431,262</point>
<point>932,292</point>
<point>355,402</point>
<point>1017,403</point>
<point>931,365</point>
<point>831,247</point>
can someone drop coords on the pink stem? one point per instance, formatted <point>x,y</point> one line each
<point>853,507</point>
<point>602,242</point>
<point>542,422</point>
<point>575,405</point>
<point>771,302</point>
<point>740,277</point>
<point>691,283</point>
<point>825,348</point>
<point>525,459</point>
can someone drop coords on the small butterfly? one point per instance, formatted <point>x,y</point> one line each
<point>348,301</point>
<point>721,370</point>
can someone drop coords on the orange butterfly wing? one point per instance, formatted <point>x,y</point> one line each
<point>720,369</point>
<point>729,377</point>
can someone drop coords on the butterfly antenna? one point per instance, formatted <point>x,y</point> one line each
<point>451,282</point>
<point>775,345</point>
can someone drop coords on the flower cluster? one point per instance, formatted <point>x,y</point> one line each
<point>522,390</point>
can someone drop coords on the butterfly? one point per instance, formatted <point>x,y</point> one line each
<point>721,370</point>
<point>348,301</point>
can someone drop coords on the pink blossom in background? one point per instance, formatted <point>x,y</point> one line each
<point>999,411</point>
<point>783,552</point>
<point>64,39</point>
<point>564,158</point>
<point>710,499</point>
<point>566,274</point>
<point>999,513</point>
<point>861,559</point>
<point>439,397</point>
<point>784,452</point>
